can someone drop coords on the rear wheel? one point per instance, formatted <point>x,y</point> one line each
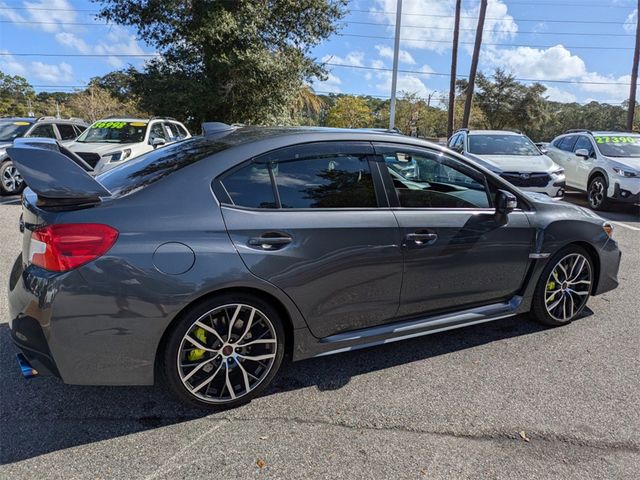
<point>597,193</point>
<point>225,351</point>
<point>11,182</point>
<point>564,287</point>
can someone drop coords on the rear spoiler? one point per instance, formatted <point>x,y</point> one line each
<point>55,173</point>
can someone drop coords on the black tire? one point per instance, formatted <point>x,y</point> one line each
<point>597,193</point>
<point>543,293</point>
<point>9,184</point>
<point>236,366</point>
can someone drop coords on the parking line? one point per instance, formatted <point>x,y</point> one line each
<point>626,226</point>
<point>9,202</point>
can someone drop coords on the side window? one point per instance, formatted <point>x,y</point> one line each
<point>453,140</point>
<point>427,180</point>
<point>157,132</point>
<point>250,186</point>
<point>567,143</point>
<point>79,129</point>
<point>331,181</point>
<point>584,142</point>
<point>179,130</point>
<point>66,131</point>
<point>44,130</point>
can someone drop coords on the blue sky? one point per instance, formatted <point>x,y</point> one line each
<point>558,42</point>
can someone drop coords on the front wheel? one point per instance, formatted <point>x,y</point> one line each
<point>564,287</point>
<point>597,193</point>
<point>11,182</point>
<point>224,351</point>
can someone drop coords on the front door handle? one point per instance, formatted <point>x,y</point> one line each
<point>422,239</point>
<point>270,241</point>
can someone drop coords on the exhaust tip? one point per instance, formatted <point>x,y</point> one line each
<point>25,367</point>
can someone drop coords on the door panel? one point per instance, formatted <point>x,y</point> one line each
<point>474,259</point>
<point>583,166</point>
<point>343,269</point>
<point>457,251</point>
<point>313,228</point>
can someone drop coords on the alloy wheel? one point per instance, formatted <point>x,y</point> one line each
<point>568,287</point>
<point>226,353</point>
<point>11,179</point>
<point>596,193</point>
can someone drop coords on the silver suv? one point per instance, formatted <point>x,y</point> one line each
<point>62,130</point>
<point>606,165</point>
<point>512,156</point>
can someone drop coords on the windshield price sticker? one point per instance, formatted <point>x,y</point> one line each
<point>617,139</point>
<point>109,124</point>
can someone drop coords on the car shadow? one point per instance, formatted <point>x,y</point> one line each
<point>44,415</point>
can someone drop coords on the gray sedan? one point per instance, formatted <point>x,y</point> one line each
<point>207,261</point>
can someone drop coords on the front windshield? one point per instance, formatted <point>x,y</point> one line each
<point>618,145</point>
<point>12,129</point>
<point>497,144</point>
<point>107,131</point>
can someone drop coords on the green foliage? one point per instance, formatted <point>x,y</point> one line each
<point>350,112</point>
<point>15,95</point>
<point>233,61</point>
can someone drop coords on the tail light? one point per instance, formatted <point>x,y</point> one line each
<point>67,246</point>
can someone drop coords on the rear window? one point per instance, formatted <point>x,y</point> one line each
<point>157,164</point>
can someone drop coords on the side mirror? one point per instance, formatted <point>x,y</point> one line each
<point>582,152</point>
<point>506,202</point>
<point>158,142</point>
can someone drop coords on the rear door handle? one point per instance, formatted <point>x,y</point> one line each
<point>270,242</point>
<point>422,239</point>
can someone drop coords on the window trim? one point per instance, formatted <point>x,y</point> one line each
<point>299,152</point>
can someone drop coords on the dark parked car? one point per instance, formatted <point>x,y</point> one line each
<point>205,261</point>
<point>64,130</point>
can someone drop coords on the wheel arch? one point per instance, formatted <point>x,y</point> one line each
<point>598,172</point>
<point>593,254</point>
<point>274,301</point>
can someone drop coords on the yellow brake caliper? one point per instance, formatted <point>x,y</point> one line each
<point>197,354</point>
<point>551,285</point>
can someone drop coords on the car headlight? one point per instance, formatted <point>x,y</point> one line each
<point>625,173</point>
<point>558,172</point>
<point>119,155</point>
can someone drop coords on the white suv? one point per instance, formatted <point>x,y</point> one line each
<point>606,165</point>
<point>512,156</point>
<point>111,141</point>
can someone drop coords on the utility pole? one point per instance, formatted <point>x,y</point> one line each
<point>474,65</point>
<point>394,74</point>
<point>634,75</point>
<point>454,66</point>
<point>429,98</point>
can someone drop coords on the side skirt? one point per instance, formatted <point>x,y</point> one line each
<point>308,346</point>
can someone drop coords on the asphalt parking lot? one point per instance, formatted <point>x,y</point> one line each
<point>508,399</point>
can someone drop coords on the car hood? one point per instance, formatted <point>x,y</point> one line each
<point>515,163</point>
<point>633,162</point>
<point>99,148</point>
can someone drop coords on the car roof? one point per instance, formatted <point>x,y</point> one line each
<point>613,133</point>
<point>18,119</point>
<point>494,132</point>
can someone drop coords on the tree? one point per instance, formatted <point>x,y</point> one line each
<point>350,112</point>
<point>306,107</point>
<point>234,61</point>
<point>95,103</point>
<point>507,103</point>
<point>15,96</point>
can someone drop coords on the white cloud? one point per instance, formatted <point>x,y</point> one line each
<point>410,83</point>
<point>69,39</point>
<point>433,21</point>
<point>352,58</point>
<point>403,56</point>
<point>59,73</point>
<point>50,13</point>
<point>554,63</point>
<point>558,95</point>
<point>11,66</point>
<point>631,21</point>
<point>331,84</point>
<point>9,13</point>
<point>118,41</point>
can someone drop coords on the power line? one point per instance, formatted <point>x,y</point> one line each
<point>420,72</point>
<point>422,40</point>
